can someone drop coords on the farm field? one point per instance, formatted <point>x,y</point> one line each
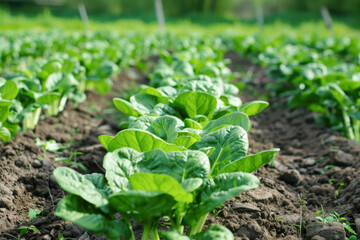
<point>108,135</point>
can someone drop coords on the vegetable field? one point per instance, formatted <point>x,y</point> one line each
<point>179,136</point>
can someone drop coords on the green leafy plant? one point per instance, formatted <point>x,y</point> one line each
<point>34,213</point>
<point>25,229</point>
<point>71,160</point>
<point>335,217</point>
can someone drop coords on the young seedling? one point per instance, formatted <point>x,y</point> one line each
<point>72,160</point>
<point>50,145</point>
<point>337,191</point>
<point>334,217</point>
<point>25,229</point>
<point>34,213</point>
<point>61,237</point>
<point>302,202</point>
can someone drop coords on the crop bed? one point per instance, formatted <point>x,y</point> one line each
<point>310,167</point>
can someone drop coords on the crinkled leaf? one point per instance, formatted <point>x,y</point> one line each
<point>160,183</point>
<point>141,141</point>
<point>143,206</point>
<point>91,188</point>
<point>230,143</point>
<point>178,164</point>
<point>218,190</point>
<point>166,127</point>
<point>192,104</point>
<point>75,209</point>
<point>120,165</point>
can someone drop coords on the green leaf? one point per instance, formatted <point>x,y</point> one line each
<point>231,100</point>
<point>151,91</point>
<point>144,102</point>
<point>142,122</point>
<point>250,163</point>
<point>201,86</point>
<point>178,164</point>
<point>9,91</point>
<point>126,107</point>
<point>91,188</point>
<point>141,141</point>
<point>253,108</point>
<point>218,190</point>
<point>33,213</point>
<point>105,140</point>
<point>191,184</point>
<point>313,70</point>
<point>235,119</point>
<point>49,97</point>
<point>355,115</point>
<point>5,134</point>
<point>214,232</point>
<point>160,183</point>
<point>120,165</point>
<point>143,206</point>
<point>173,234</point>
<point>185,141</point>
<point>192,104</point>
<point>189,123</point>
<point>162,109</point>
<point>230,143</point>
<point>75,209</point>
<point>166,127</point>
<point>340,95</point>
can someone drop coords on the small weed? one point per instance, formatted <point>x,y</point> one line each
<point>337,191</point>
<point>25,229</point>
<point>61,237</point>
<point>331,180</point>
<point>302,202</point>
<point>72,160</point>
<point>34,213</point>
<point>334,148</point>
<point>334,217</point>
<point>51,146</point>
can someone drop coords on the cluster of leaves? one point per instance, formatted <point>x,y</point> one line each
<point>322,75</point>
<point>41,72</point>
<point>183,153</point>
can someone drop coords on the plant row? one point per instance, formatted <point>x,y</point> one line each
<point>41,72</point>
<point>182,153</point>
<point>322,75</point>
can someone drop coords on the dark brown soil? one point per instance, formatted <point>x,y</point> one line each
<point>301,171</point>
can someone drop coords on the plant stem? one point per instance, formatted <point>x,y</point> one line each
<point>215,162</point>
<point>53,108</point>
<point>146,232</point>
<point>198,227</point>
<point>150,230</point>
<point>347,125</point>
<point>126,219</point>
<point>357,130</point>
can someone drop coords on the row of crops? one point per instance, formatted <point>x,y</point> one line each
<point>322,75</point>
<point>184,149</point>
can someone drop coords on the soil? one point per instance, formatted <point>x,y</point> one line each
<point>316,168</point>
